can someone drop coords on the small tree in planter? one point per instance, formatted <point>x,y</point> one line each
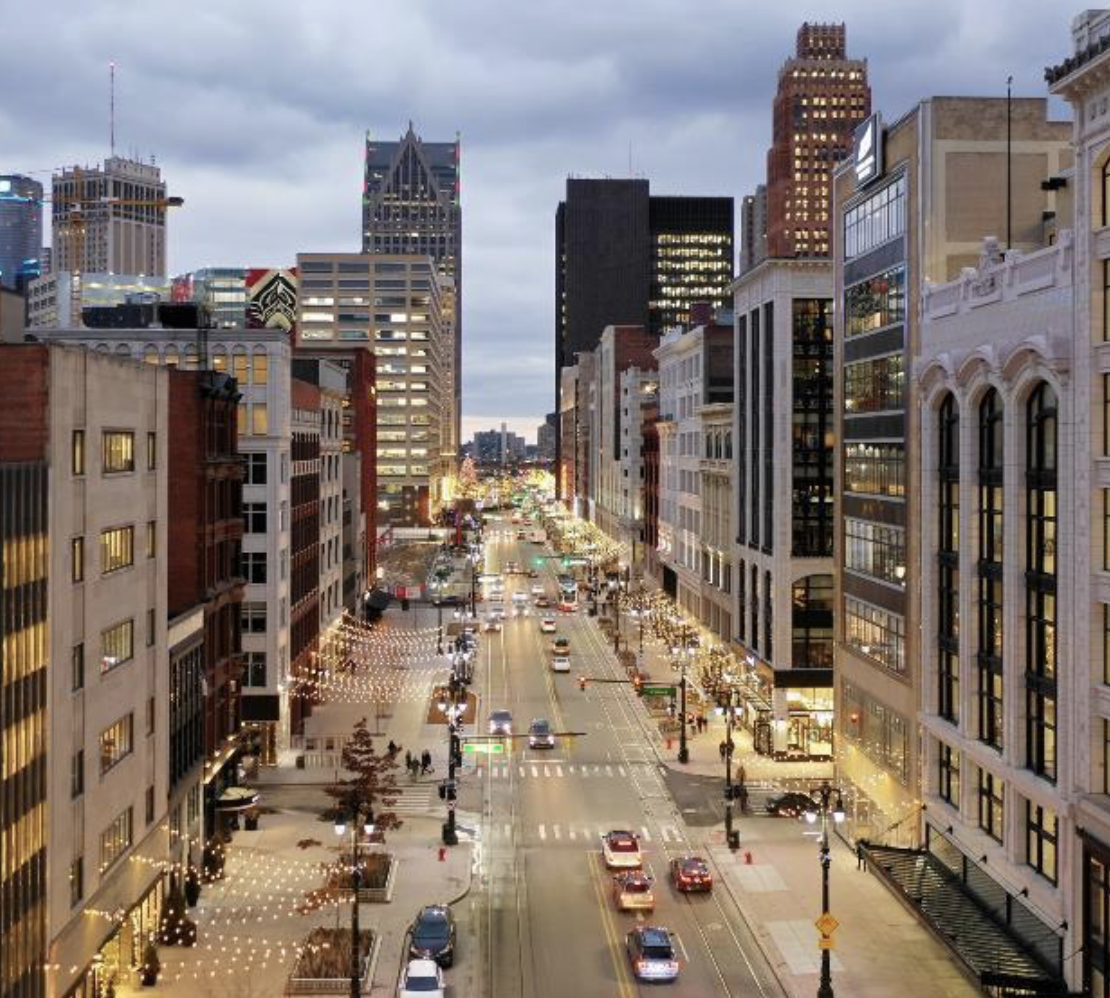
<point>176,928</point>
<point>151,966</point>
<point>192,885</point>
<point>215,854</point>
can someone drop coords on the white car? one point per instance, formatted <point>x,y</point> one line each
<point>560,663</point>
<point>547,625</point>
<point>538,590</point>
<point>421,979</point>
<point>621,850</point>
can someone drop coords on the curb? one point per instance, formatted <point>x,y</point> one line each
<point>469,880</point>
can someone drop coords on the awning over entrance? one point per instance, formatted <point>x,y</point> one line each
<point>237,799</point>
<point>1003,959</point>
<point>378,599</point>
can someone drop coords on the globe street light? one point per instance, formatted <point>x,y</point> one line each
<point>362,814</point>
<point>823,810</point>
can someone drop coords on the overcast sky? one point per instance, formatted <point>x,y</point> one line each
<point>256,111</point>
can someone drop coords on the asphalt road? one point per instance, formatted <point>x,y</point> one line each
<point>547,923</point>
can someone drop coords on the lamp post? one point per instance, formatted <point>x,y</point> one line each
<point>728,708</point>
<point>362,817</point>
<point>825,792</point>
<point>682,654</point>
<point>453,711</point>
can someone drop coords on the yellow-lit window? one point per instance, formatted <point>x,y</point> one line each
<point>117,549</point>
<point>78,460</point>
<point>77,559</point>
<point>260,419</point>
<point>116,742</point>
<point>241,419</point>
<point>118,451</point>
<point>260,368</point>
<point>240,369</point>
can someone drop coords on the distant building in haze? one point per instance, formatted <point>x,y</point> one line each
<point>20,230</point>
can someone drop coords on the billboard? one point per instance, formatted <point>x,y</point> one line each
<point>272,298</point>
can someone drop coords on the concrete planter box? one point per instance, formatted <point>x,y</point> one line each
<point>375,895</point>
<point>336,985</point>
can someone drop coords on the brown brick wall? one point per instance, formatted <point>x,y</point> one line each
<point>24,402</point>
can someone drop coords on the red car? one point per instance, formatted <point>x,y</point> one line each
<point>691,873</point>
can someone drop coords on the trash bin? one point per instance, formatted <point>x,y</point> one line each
<point>300,762</point>
<point>734,840</point>
<point>405,604</point>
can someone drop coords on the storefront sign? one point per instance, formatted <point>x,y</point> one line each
<point>868,150</point>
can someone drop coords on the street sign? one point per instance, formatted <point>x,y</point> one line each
<point>826,942</point>
<point>483,748</point>
<point>826,924</point>
<point>659,691</point>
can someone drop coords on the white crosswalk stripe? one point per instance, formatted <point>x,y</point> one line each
<point>667,835</point>
<point>554,771</point>
<point>416,799</point>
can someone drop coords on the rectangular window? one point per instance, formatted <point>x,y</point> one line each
<point>256,469</point>
<point>77,559</point>
<point>254,672</point>
<point>241,419</point>
<point>878,302</point>
<point>876,220</point>
<point>116,742</point>
<point>77,774</point>
<point>1105,408</point>
<point>876,385</point>
<point>949,788</point>
<point>115,840</point>
<point>992,804</point>
<point>1042,829</point>
<point>1105,300</point>
<point>151,715</point>
<point>875,549</point>
<point>117,645</point>
<point>876,633</point>
<point>117,549</point>
<point>875,469</point>
<point>254,567</point>
<point>260,368</point>
<point>1105,756</point>
<point>76,881</point>
<point>78,458</point>
<point>77,666</point>
<point>150,807</point>
<point>118,452</point>
<point>253,617</point>
<point>260,419</point>
<point>151,451</point>
<point>1106,530</point>
<point>151,628</point>
<point>254,517</point>
<point>151,538</point>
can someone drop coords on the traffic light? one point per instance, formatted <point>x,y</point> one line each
<point>638,684</point>
<point>582,683</point>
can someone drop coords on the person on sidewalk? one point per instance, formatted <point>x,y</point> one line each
<point>861,856</point>
<point>392,748</point>
<point>723,749</point>
<point>408,761</point>
<point>425,762</point>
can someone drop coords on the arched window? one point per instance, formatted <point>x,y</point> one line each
<point>1040,584</point>
<point>948,559</point>
<point>171,356</point>
<point>240,367</point>
<point>190,357</point>
<point>989,637</point>
<point>1106,192</point>
<point>123,350</point>
<point>151,355</point>
<point>219,359</point>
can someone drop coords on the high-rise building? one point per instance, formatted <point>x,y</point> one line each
<point>58,300</point>
<point>20,230</point>
<point>753,228</point>
<point>913,204</point>
<point>398,308</point>
<point>103,221</point>
<point>626,258</point>
<point>545,438</point>
<point>412,204</point>
<point>822,96</point>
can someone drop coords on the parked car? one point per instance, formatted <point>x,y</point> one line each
<point>432,935</point>
<point>421,979</point>
<point>632,891</point>
<point>651,953</point>
<point>792,804</point>
<point>691,873</point>
<point>621,849</point>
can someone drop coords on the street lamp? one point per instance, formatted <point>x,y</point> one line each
<point>453,711</point>
<point>682,654</point>
<point>728,708</point>
<point>362,814</point>
<point>824,810</point>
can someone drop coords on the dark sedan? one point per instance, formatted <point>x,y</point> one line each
<point>433,935</point>
<point>691,873</point>
<point>790,805</point>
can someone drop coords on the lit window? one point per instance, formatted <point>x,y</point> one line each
<point>117,549</point>
<point>118,451</point>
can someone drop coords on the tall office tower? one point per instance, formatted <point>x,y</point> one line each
<point>822,96</point>
<point>92,234</point>
<point>411,204</point>
<point>20,229</point>
<point>625,258</point>
<point>753,229</point>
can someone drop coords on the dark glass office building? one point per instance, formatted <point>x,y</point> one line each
<point>20,230</point>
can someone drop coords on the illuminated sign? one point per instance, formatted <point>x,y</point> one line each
<point>271,299</point>
<point>868,150</point>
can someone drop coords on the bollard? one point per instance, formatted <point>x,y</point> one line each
<point>668,743</point>
<point>747,857</point>
<point>443,854</point>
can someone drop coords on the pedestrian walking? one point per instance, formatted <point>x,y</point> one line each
<point>861,856</point>
<point>392,748</point>
<point>425,762</point>
<point>408,761</point>
<point>723,748</point>
<point>740,775</point>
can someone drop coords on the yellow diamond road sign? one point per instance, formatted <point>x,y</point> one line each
<point>826,924</point>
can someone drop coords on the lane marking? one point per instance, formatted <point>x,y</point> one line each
<point>543,833</point>
<point>558,770</point>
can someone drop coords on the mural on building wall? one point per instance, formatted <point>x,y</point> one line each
<point>272,298</point>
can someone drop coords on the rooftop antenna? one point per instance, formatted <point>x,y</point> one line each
<point>630,159</point>
<point>112,105</point>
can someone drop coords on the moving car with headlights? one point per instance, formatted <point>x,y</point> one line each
<point>621,850</point>
<point>493,623</point>
<point>539,734</point>
<point>790,805</point>
<point>651,953</point>
<point>561,646</point>
<point>538,589</point>
<point>432,935</point>
<point>632,891</point>
<point>691,873</point>
<point>560,663</point>
<point>501,722</point>
<point>542,602</point>
<point>421,979</point>
<point>547,625</point>
<point>520,604</point>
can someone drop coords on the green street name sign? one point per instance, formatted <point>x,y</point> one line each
<point>659,691</point>
<point>483,748</point>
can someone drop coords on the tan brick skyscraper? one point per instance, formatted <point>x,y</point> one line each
<point>822,97</point>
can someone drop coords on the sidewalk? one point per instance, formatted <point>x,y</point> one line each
<point>880,948</point>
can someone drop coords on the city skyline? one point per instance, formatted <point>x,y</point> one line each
<point>519,143</point>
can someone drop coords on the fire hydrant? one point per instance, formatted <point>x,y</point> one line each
<point>442,853</point>
<point>747,857</point>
